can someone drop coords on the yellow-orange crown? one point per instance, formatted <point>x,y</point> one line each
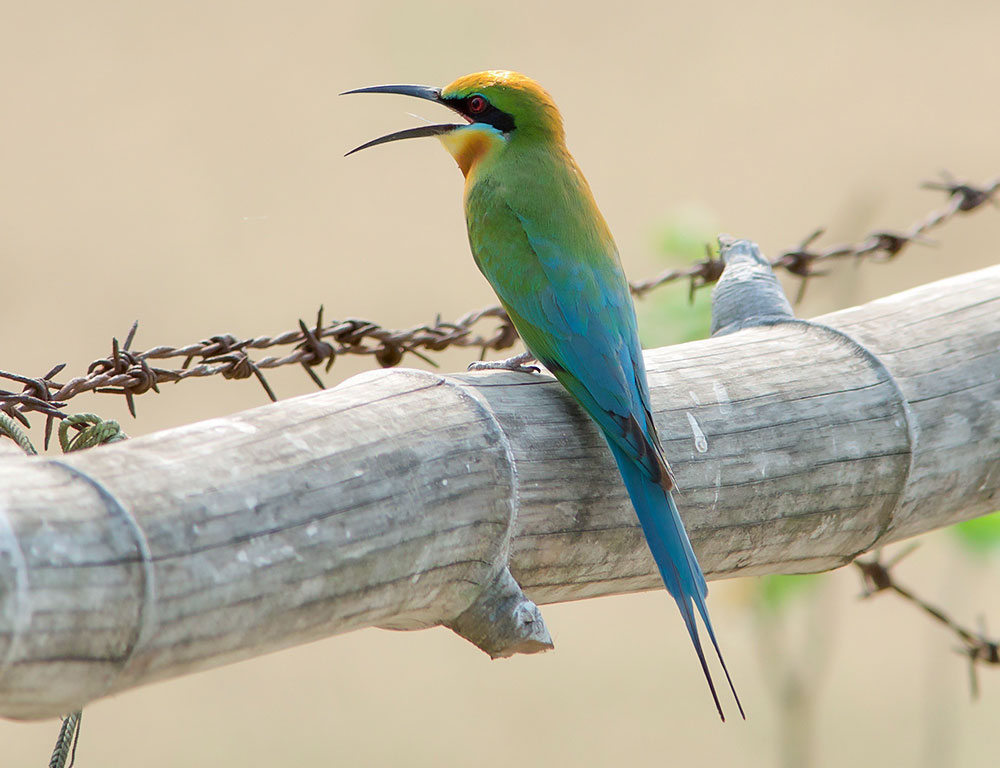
<point>522,98</point>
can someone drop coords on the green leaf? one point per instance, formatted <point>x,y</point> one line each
<point>980,534</point>
<point>776,590</point>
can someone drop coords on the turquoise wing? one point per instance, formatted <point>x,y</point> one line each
<point>574,312</point>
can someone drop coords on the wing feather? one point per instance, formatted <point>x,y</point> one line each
<point>574,312</point>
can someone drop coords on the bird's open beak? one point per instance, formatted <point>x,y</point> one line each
<point>421,92</point>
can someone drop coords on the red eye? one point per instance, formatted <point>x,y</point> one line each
<point>477,105</point>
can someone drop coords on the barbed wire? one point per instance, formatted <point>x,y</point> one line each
<point>128,374</point>
<point>976,646</point>
<point>879,245</point>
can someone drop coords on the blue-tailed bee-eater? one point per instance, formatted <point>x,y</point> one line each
<point>538,237</point>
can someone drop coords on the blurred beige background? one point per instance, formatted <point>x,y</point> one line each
<point>181,164</point>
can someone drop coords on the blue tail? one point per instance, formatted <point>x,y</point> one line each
<point>672,551</point>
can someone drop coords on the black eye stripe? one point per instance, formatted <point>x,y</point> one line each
<point>502,121</point>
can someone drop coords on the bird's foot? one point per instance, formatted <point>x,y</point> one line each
<point>516,363</point>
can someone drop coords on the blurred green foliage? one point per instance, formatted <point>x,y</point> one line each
<point>980,535</point>
<point>666,315</point>
<point>776,591</point>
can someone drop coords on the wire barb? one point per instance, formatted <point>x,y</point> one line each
<point>977,646</point>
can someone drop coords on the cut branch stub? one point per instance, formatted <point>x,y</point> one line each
<point>502,621</point>
<point>748,293</point>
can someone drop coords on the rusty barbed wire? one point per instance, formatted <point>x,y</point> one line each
<point>129,373</point>
<point>976,646</point>
<point>879,245</point>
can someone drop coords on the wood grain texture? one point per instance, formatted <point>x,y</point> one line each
<point>399,498</point>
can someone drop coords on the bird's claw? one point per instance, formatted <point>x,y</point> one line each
<point>516,363</point>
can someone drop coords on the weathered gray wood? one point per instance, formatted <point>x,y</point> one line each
<point>398,497</point>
